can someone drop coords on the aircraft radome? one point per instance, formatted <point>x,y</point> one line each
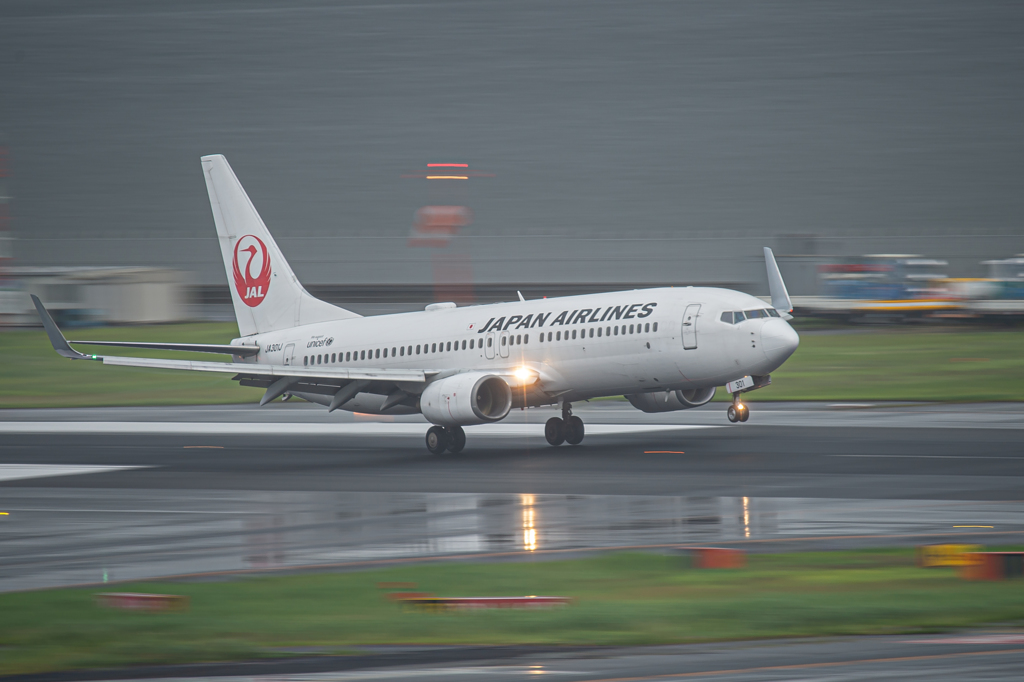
<point>664,349</point>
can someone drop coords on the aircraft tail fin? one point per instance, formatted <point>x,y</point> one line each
<point>266,294</point>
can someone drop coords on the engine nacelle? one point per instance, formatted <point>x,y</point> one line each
<point>466,399</point>
<point>669,401</point>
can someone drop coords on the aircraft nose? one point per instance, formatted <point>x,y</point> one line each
<point>778,340</point>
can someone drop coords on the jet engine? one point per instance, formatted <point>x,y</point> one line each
<point>466,399</point>
<point>669,401</point>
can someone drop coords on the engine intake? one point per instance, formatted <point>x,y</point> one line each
<point>466,399</point>
<point>670,401</point>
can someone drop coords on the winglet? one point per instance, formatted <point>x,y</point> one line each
<point>60,344</point>
<point>777,288</point>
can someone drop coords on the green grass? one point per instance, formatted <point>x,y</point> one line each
<point>621,599</point>
<point>32,375</point>
<point>962,366</point>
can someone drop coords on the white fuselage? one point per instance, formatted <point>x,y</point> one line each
<point>580,346</point>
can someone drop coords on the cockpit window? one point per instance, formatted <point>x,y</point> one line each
<point>735,317</point>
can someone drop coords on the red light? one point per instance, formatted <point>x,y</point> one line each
<point>447,165</point>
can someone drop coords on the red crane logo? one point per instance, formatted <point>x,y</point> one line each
<point>252,289</point>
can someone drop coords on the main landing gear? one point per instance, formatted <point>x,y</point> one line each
<point>737,412</point>
<point>568,429</point>
<point>441,438</point>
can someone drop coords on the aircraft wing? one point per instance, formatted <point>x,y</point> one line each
<point>248,374</point>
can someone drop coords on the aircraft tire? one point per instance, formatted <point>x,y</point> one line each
<point>456,439</point>
<point>437,440</point>
<point>574,430</point>
<point>554,431</point>
<point>744,413</point>
<point>733,414</point>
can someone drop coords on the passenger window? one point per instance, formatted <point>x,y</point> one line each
<point>319,359</point>
<point>489,342</point>
<point>433,348</point>
<point>401,352</point>
<point>305,361</point>
<point>647,328</point>
<point>512,340</point>
<point>607,331</point>
<point>410,350</point>
<point>558,336</point>
<point>630,329</point>
<point>519,338</point>
<point>385,352</point>
<point>417,349</point>
<point>393,349</point>
<point>449,346</point>
<point>549,336</point>
<point>463,344</point>
<point>542,337</point>
<point>599,330</point>
<point>471,342</point>
<point>526,339</point>
<point>616,330</point>
<point>655,328</point>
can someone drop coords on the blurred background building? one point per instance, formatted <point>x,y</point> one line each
<point>604,144</point>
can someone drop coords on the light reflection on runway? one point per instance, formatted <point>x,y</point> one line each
<point>70,536</point>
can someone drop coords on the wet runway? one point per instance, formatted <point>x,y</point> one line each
<point>992,655</point>
<point>127,494</point>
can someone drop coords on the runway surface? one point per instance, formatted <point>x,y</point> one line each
<point>992,655</point>
<point>121,494</point>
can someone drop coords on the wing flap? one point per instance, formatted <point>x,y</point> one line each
<point>240,351</point>
<point>245,369</point>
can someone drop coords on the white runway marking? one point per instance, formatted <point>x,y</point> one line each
<point>342,429</point>
<point>14,472</point>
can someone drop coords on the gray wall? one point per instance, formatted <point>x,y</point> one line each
<point>629,141</point>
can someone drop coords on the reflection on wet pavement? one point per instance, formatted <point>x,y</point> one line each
<point>69,536</point>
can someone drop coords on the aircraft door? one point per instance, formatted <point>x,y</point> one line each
<point>489,346</point>
<point>503,345</point>
<point>288,350</point>
<point>690,326</point>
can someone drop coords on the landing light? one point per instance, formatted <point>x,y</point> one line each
<point>522,373</point>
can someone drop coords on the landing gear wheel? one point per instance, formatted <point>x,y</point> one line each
<point>437,440</point>
<point>554,431</point>
<point>573,430</point>
<point>456,439</point>
<point>744,413</point>
<point>733,414</point>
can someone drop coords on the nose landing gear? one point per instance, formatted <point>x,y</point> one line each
<point>737,412</point>
<point>567,429</point>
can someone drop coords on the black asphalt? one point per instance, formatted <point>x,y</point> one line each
<point>763,461</point>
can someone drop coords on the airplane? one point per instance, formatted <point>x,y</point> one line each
<point>664,349</point>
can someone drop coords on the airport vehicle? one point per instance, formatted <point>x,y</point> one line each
<point>664,349</point>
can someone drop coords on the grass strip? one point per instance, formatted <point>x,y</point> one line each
<point>962,366</point>
<point>620,599</point>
